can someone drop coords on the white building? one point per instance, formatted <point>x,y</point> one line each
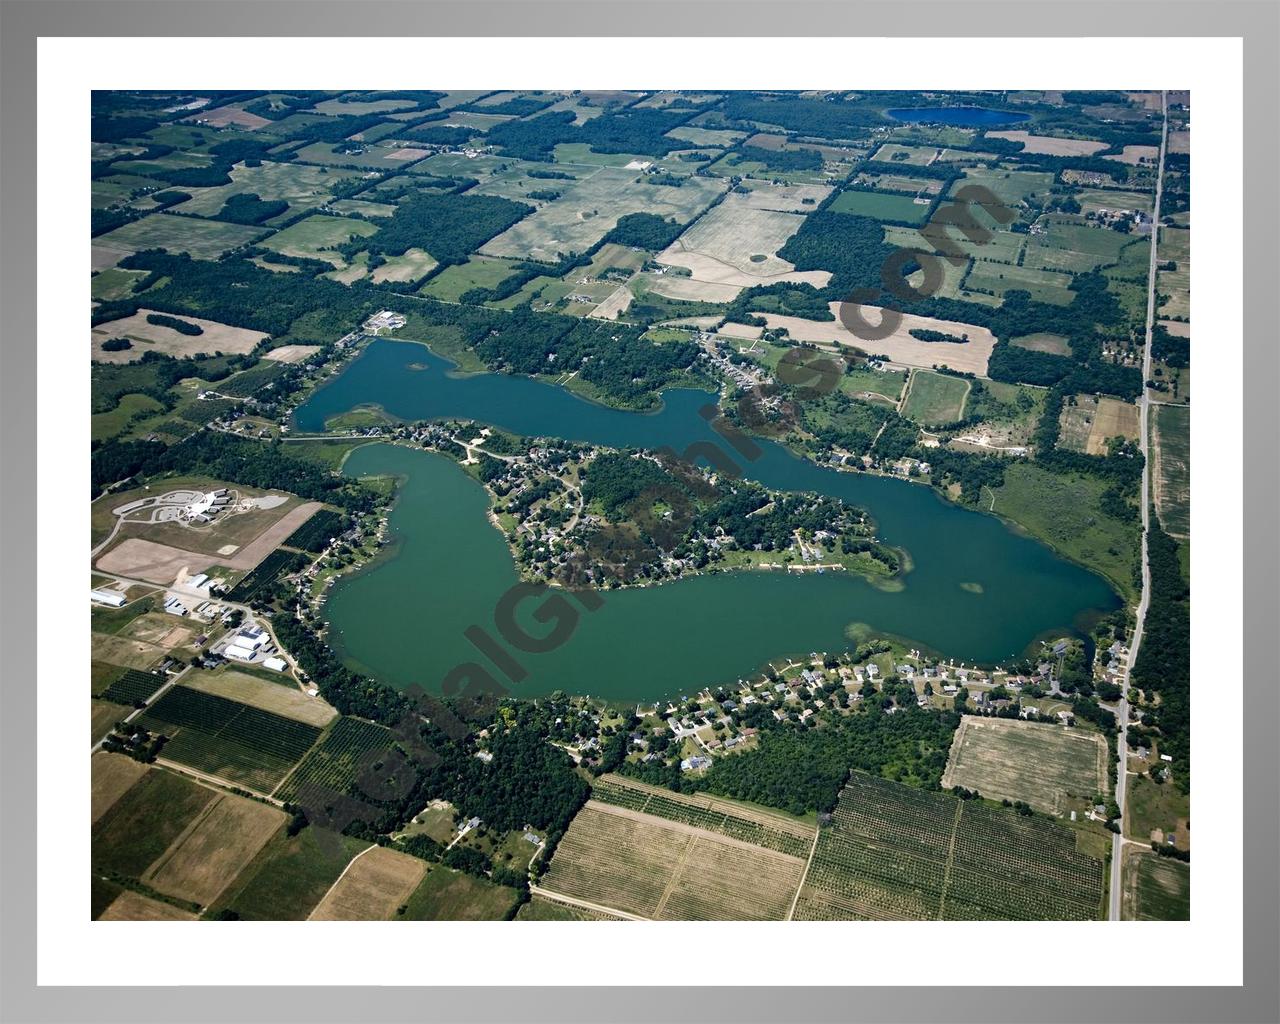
<point>114,598</point>
<point>275,664</point>
<point>238,653</point>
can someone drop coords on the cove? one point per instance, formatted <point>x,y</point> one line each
<point>961,117</point>
<point>402,619</point>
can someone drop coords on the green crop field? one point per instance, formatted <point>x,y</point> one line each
<point>302,186</point>
<point>935,398</point>
<point>1010,187</point>
<point>449,895</point>
<point>1073,245</point>
<point>139,826</point>
<point>336,761</point>
<point>997,279</point>
<point>313,237</point>
<point>881,206</point>
<point>1171,436</point>
<point>290,875</point>
<point>226,738</point>
<point>203,239</point>
<point>1156,888</point>
<point>893,852</point>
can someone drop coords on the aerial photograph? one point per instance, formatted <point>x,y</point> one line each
<point>640,505</point>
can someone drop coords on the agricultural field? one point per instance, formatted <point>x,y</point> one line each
<point>900,346</point>
<point>335,762</point>
<point>373,885</point>
<point>769,829</point>
<point>1088,423</point>
<point>149,337</point>
<point>540,908</point>
<point>145,821</point>
<point>132,686</point>
<point>934,398</point>
<point>263,576</point>
<point>449,895</point>
<point>1011,187</point>
<point>290,875</point>
<point>114,283</point>
<point>1174,286</point>
<point>412,265</point>
<point>315,237</point>
<point>1052,145</point>
<point>1155,888</point>
<point>889,206</point>
<point>203,239</point>
<point>302,186</point>
<point>316,532</point>
<point>214,849</point>
<point>895,853</point>
<point>895,153</point>
<point>112,776</point>
<point>282,697</point>
<point>996,279</point>
<point>1001,247</point>
<point>1054,344</point>
<point>649,867</point>
<point>478,272</point>
<point>1046,766</point>
<point>737,243</point>
<point>1070,244</point>
<point>226,738</point>
<point>589,209</point>
<point>1171,441</point>
<point>1096,200</point>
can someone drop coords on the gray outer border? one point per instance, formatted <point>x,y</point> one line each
<point>1257,22</point>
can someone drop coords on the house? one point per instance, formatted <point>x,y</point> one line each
<point>1066,717</point>
<point>693,764</point>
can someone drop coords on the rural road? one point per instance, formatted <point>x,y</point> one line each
<point>1144,407</point>
<point>573,901</point>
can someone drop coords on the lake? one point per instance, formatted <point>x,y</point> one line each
<point>960,117</point>
<point>977,591</point>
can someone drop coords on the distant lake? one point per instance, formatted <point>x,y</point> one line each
<point>977,591</point>
<point>961,117</point>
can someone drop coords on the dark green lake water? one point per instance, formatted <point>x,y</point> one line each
<point>402,619</point>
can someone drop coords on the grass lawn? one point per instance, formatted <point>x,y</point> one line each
<point>290,875</point>
<point>448,895</point>
<point>1063,511</point>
